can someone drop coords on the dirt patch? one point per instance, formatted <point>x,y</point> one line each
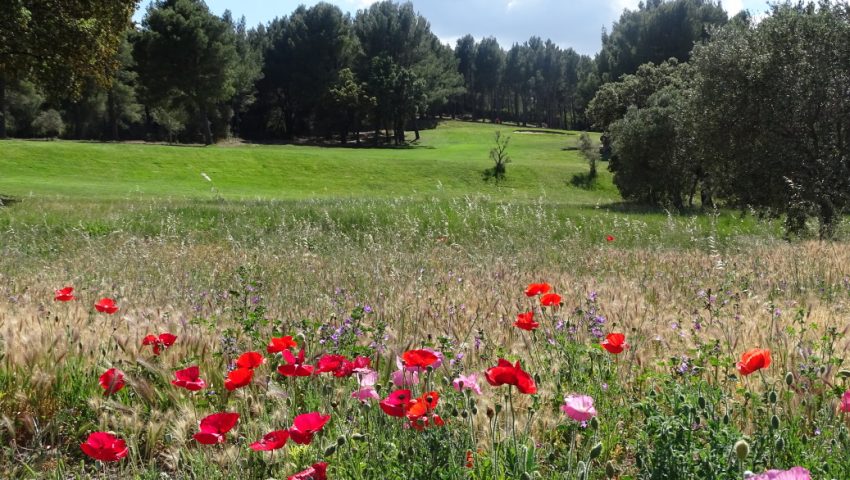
<point>541,132</point>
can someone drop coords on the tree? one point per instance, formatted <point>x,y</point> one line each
<point>187,55</point>
<point>349,96</point>
<point>772,105</point>
<point>60,43</point>
<point>48,124</point>
<point>500,158</point>
<point>489,66</point>
<point>590,154</point>
<point>656,31</point>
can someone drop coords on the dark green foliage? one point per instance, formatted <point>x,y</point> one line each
<point>774,113</point>
<point>656,31</point>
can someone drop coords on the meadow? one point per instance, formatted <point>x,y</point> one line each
<point>372,253</point>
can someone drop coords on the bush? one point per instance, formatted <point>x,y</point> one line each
<point>48,124</point>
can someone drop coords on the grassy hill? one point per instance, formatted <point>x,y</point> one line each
<point>449,161</point>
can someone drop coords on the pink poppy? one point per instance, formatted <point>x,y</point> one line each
<point>579,407</point>
<point>467,381</point>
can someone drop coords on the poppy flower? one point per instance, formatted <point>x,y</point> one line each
<point>104,447</point>
<point>106,305</point>
<point>550,300</point>
<point>469,459</point>
<point>294,366</point>
<point>423,405</point>
<point>112,381</point>
<point>796,473</point>
<point>419,359</point>
<point>316,472</point>
<point>278,345</point>
<point>504,373</point>
<point>845,402</point>
<point>395,405</point>
<point>214,428</point>
<point>609,238</point>
<point>250,360</point>
<point>238,378</point>
<point>753,360</point>
<point>189,378</point>
<point>579,407</point>
<point>535,289</point>
<point>421,423</point>
<point>525,321</point>
<point>330,363</point>
<point>404,378</point>
<point>64,294</point>
<point>163,341</point>
<point>271,441</point>
<point>467,381</point>
<point>615,343</point>
<point>305,425</point>
<point>364,394</point>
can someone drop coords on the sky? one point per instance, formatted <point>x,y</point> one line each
<point>569,23</point>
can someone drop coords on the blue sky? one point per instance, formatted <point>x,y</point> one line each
<point>569,23</point>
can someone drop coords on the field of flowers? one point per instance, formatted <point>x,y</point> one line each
<point>425,349</point>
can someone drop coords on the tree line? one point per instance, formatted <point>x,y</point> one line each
<point>759,117</point>
<point>185,74</point>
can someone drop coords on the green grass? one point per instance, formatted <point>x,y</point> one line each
<point>449,161</point>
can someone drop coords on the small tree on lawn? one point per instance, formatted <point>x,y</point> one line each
<point>48,124</point>
<point>499,155</point>
<point>591,154</point>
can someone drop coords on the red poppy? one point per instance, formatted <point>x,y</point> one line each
<point>271,441</point>
<point>525,321</point>
<point>615,343</point>
<point>305,425</point>
<point>294,366</point>
<point>214,428</point>
<point>395,405</point>
<point>316,472</point>
<point>423,405</point>
<point>106,305</point>
<point>112,381</point>
<point>250,360</point>
<point>550,300</point>
<point>163,341</point>
<point>416,359</point>
<point>421,423</point>
<point>238,378</point>
<point>278,345</point>
<point>64,294</point>
<point>535,289</point>
<point>507,374</point>
<point>330,363</point>
<point>469,459</point>
<point>609,238</point>
<point>104,447</point>
<point>189,378</point>
<point>753,360</point>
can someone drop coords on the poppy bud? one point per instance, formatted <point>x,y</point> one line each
<point>330,450</point>
<point>742,450</point>
<point>596,451</point>
<point>464,414</point>
<point>358,437</point>
<point>551,458</point>
<point>340,441</point>
<point>475,411</point>
<point>531,410</point>
<point>780,444</point>
<point>594,423</point>
<point>378,387</point>
<point>726,419</point>
<point>771,397</point>
<point>498,408</point>
<point>701,402</point>
<point>454,412</point>
<point>804,438</point>
<point>536,378</point>
<point>610,471</point>
<point>429,369</point>
<point>334,404</point>
<point>526,476</point>
<point>774,422</point>
<point>789,379</point>
<point>490,412</point>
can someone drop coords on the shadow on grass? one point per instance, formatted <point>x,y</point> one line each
<point>7,201</point>
<point>584,181</point>
<point>644,209</point>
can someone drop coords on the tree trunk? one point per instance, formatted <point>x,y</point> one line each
<point>416,127</point>
<point>2,106</point>
<point>113,115</point>
<point>208,137</point>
